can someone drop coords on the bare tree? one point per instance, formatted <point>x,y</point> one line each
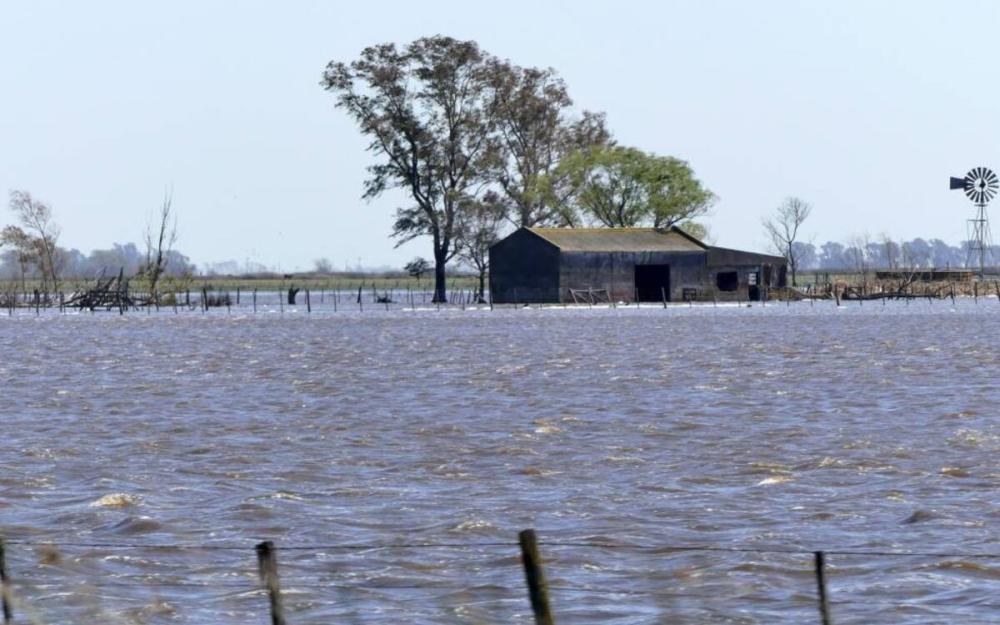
<point>161,235</point>
<point>858,253</point>
<point>783,229</point>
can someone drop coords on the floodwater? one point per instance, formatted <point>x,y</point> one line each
<point>679,466</point>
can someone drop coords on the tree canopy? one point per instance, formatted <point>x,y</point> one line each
<point>428,112</point>
<point>622,187</point>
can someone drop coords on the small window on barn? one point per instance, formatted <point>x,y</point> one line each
<point>727,280</point>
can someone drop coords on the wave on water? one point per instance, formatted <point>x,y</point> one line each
<point>116,500</point>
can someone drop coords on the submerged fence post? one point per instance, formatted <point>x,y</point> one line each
<point>267,563</point>
<point>309,307</point>
<point>824,608</point>
<point>537,588</point>
<point>8,613</point>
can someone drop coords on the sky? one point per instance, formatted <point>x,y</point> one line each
<point>864,109</point>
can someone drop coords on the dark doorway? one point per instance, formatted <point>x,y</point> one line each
<point>753,290</point>
<point>727,280</point>
<point>652,282</point>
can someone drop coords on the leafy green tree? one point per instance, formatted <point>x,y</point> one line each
<point>416,268</point>
<point>621,187</point>
<point>429,113</point>
<point>36,217</point>
<point>696,229</point>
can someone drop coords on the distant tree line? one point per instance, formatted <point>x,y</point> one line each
<point>863,252</point>
<point>480,145</point>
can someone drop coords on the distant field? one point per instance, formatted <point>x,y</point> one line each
<point>269,283</point>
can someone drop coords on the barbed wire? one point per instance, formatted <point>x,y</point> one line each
<point>510,544</point>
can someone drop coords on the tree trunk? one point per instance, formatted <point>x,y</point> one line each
<point>482,287</point>
<point>440,281</point>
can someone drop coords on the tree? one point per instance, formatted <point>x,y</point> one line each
<point>323,266</point>
<point>697,230</point>
<point>832,256</point>
<point>160,239</point>
<point>783,229</point>
<point>428,113</point>
<point>24,250</point>
<point>36,217</point>
<point>416,268</point>
<point>805,255</point>
<point>857,254</point>
<point>918,253</point>
<point>535,132</point>
<point>621,187</point>
<point>479,228</point>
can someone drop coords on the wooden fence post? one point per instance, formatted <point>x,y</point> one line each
<point>537,588</point>
<point>824,608</point>
<point>309,307</point>
<point>267,563</point>
<point>8,613</point>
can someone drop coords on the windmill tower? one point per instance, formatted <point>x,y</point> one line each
<point>980,186</point>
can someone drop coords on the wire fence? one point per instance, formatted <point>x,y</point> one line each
<point>615,588</point>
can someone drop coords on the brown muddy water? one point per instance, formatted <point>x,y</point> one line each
<point>395,455</point>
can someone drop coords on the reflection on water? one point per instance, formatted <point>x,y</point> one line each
<point>614,433</point>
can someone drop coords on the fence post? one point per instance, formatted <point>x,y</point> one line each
<point>537,588</point>
<point>309,307</point>
<point>8,614</point>
<point>824,608</point>
<point>267,563</point>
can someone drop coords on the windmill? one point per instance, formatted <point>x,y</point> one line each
<point>980,186</point>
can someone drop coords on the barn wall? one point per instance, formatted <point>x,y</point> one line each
<point>524,269</point>
<point>615,271</point>
<point>527,268</point>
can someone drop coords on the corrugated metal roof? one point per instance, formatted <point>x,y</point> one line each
<point>619,240</point>
<point>721,256</point>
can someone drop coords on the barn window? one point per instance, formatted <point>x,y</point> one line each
<point>727,280</point>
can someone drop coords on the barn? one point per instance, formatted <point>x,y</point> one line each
<point>553,265</point>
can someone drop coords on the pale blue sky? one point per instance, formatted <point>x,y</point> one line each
<point>862,108</point>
